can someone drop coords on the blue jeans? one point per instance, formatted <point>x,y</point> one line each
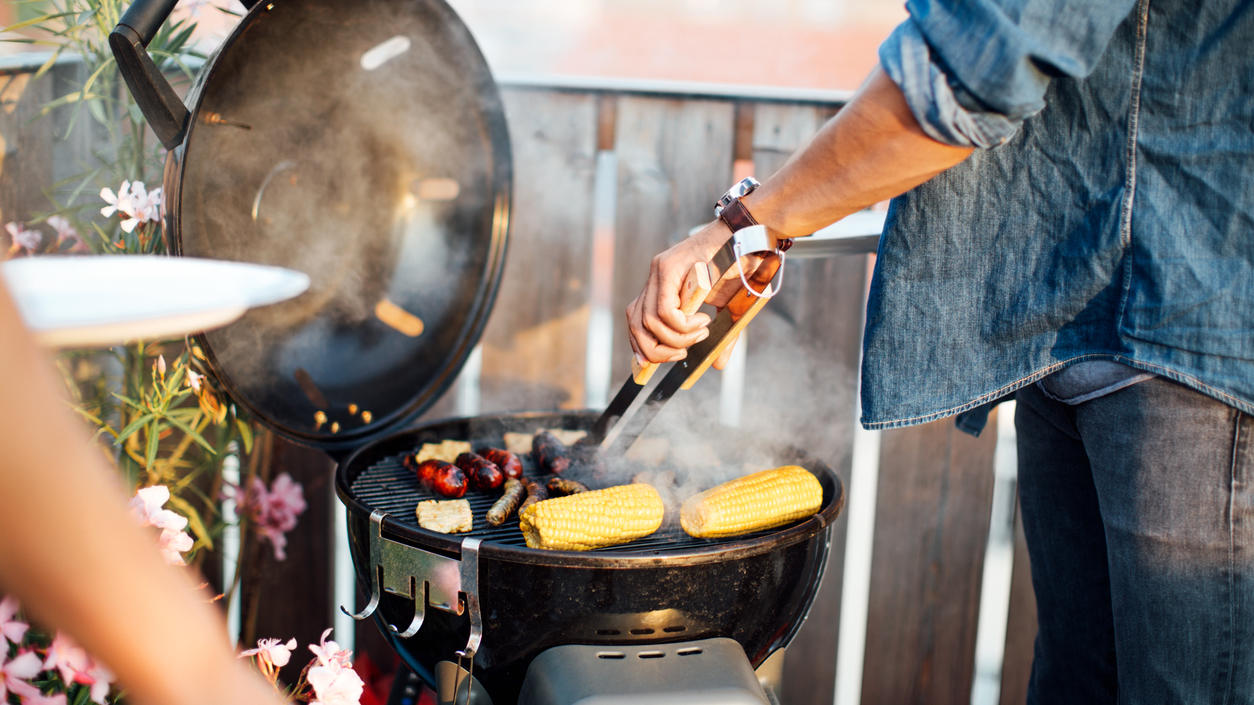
<point>1139,517</point>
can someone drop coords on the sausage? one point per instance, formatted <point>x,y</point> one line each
<point>483,473</point>
<point>535,493</point>
<point>427,469</point>
<point>508,502</point>
<point>551,455</point>
<point>505,460</point>
<point>561,486</point>
<point>449,480</point>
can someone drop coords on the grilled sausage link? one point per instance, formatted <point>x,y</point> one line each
<point>483,473</point>
<point>508,502</point>
<point>535,493</point>
<point>561,486</point>
<point>505,460</point>
<point>551,455</point>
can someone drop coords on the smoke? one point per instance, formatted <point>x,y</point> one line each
<point>798,401</point>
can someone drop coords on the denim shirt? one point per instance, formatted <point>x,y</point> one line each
<point>1108,213</point>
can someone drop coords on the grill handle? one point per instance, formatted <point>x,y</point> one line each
<point>162,107</point>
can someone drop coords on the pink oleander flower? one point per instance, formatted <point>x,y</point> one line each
<point>102,680</point>
<point>146,506</point>
<point>67,237</point>
<point>12,629</point>
<point>334,684</point>
<point>271,656</point>
<point>274,511</point>
<point>15,672</point>
<point>272,652</point>
<point>23,238</point>
<point>70,660</point>
<point>329,652</point>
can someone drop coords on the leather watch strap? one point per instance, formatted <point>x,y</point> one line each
<point>736,216</point>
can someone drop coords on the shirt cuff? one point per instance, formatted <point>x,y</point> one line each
<point>943,108</point>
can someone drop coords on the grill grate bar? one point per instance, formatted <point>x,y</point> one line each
<point>389,487</point>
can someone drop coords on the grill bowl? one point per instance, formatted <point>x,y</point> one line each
<point>668,587</point>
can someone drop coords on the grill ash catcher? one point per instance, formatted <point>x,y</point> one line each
<point>278,156</point>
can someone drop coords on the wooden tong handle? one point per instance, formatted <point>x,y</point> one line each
<point>743,306</point>
<point>692,293</point>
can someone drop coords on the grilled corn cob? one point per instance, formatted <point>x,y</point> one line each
<point>754,502</point>
<point>588,520</point>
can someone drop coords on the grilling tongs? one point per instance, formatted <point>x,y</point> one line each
<point>630,412</point>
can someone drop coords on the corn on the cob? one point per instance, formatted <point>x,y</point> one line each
<point>588,520</point>
<point>754,502</point>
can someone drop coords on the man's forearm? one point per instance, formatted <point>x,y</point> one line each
<point>873,149</point>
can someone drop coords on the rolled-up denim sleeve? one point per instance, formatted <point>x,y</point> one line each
<point>973,70</point>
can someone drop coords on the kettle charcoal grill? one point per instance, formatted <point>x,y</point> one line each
<point>489,593</point>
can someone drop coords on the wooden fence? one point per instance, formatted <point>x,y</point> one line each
<point>605,176</point>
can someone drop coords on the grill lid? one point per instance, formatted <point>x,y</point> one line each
<point>364,144</point>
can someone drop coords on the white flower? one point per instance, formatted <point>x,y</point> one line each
<point>120,203</point>
<point>134,203</point>
<point>335,684</point>
<point>194,380</point>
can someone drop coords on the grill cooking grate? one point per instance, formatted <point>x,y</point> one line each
<point>389,487</point>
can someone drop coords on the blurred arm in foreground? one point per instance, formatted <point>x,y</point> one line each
<point>77,561</point>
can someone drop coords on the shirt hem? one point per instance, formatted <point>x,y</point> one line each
<point>872,424</point>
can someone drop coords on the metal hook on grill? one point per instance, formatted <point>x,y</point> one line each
<point>419,594</point>
<point>376,564</point>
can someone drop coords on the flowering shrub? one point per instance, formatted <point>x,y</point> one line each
<point>328,679</point>
<point>36,669</point>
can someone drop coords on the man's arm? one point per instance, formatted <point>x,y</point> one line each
<point>873,149</point>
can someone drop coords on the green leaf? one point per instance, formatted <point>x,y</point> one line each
<point>35,21</point>
<point>154,438</point>
<point>245,434</point>
<point>191,433</point>
<point>194,522</point>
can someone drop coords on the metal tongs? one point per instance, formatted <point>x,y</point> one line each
<point>630,412</point>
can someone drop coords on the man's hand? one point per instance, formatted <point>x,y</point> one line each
<point>658,330</point>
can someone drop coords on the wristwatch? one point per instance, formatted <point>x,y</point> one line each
<point>729,209</point>
<point>748,235</point>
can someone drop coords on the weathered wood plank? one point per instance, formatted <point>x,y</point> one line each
<point>802,358</point>
<point>534,345</point>
<point>931,526</point>
<point>293,597</point>
<point>26,157</point>
<point>1016,667</point>
<point>674,159</point>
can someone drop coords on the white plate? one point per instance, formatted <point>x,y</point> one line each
<point>108,299</point>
